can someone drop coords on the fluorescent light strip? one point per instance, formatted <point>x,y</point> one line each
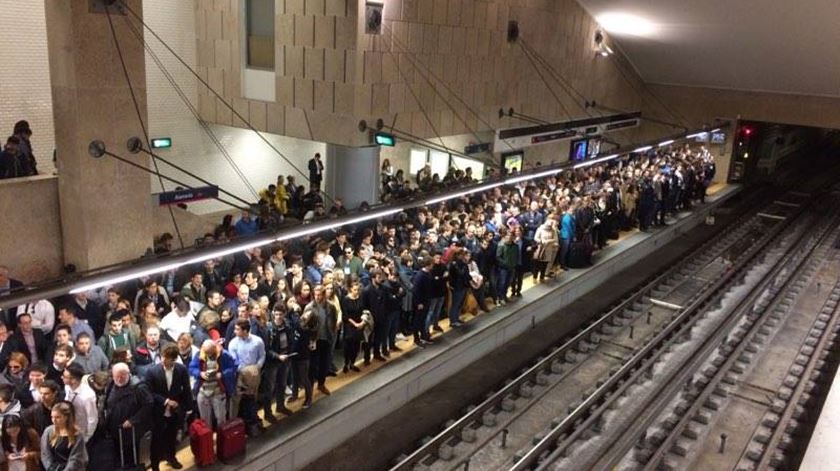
<point>666,143</point>
<point>715,130</point>
<point>239,248</point>
<point>513,180</point>
<point>692,136</point>
<point>123,278</point>
<point>643,149</point>
<point>595,161</point>
<point>463,193</point>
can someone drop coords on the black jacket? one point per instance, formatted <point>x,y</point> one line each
<point>132,402</point>
<point>41,345</point>
<point>375,300</point>
<point>179,391</point>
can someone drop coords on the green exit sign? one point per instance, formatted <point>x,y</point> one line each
<point>384,139</point>
<point>162,143</point>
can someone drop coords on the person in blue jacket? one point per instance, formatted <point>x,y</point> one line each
<point>214,370</point>
<point>567,235</point>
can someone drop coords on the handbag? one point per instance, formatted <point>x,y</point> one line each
<point>540,252</point>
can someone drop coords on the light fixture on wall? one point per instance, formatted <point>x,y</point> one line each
<point>601,48</point>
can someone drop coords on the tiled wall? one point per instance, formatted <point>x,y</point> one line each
<point>330,75</point>
<point>25,76</point>
<point>193,149</point>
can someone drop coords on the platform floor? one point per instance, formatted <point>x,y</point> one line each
<point>425,412</point>
<point>823,452</point>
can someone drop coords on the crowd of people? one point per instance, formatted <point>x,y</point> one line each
<point>260,330</point>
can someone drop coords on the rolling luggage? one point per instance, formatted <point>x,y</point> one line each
<point>131,452</point>
<point>201,443</point>
<point>230,440</point>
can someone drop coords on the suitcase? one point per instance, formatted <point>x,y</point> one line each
<point>131,452</point>
<point>580,255</point>
<point>230,440</point>
<point>201,443</point>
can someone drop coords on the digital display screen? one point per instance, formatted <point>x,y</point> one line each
<point>579,150</point>
<point>513,161</point>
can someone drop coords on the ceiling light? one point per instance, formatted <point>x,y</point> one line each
<point>626,24</point>
<point>643,149</point>
<point>464,193</point>
<point>512,180</point>
<point>666,143</point>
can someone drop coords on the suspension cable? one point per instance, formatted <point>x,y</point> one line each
<point>140,119</point>
<point>219,96</point>
<point>204,126</point>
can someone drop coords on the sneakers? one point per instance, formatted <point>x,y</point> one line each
<point>401,338</point>
<point>457,324</point>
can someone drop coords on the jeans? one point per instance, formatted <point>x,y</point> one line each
<point>280,381</point>
<point>503,276</point>
<point>212,406</point>
<point>458,297</point>
<point>564,252</point>
<point>394,319</point>
<point>435,306</point>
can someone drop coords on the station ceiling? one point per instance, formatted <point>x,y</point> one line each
<point>780,46</point>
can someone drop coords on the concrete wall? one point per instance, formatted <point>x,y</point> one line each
<point>700,105</point>
<point>30,238</point>
<point>25,76</point>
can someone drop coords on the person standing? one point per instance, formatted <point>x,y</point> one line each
<point>128,409</point>
<point>277,363</point>
<point>316,171</point>
<point>351,309</point>
<point>62,445</point>
<point>507,254</point>
<point>374,300</point>
<point>421,294</point>
<point>83,400</point>
<point>214,370</point>
<point>459,281</point>
<point>327,322</point>
<point>169,383</point>
<point>249,351</point>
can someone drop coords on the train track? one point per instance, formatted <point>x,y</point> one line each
<point>554,398</point>
<point>794,325</point>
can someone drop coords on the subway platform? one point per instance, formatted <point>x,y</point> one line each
<point>359,400</point>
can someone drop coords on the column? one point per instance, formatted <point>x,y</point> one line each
<point>105,204</point>
<point>352,174</point>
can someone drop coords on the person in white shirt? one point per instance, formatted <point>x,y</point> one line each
<point>179,320</point>
<point>83,398</point>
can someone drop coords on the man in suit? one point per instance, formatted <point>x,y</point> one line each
<point>31,342</point>
<point>316,171</point>
<point>169,382</point>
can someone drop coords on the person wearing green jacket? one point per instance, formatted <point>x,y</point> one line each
<point>507,257</point>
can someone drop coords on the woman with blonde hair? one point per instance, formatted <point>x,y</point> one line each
<point>62,446</point>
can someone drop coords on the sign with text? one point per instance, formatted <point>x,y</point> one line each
<point>188,195</point>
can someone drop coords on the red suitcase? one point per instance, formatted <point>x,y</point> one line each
<point>201,443</point>
<point>230,440</point>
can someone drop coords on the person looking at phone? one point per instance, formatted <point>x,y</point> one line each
<point>20,445</point>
